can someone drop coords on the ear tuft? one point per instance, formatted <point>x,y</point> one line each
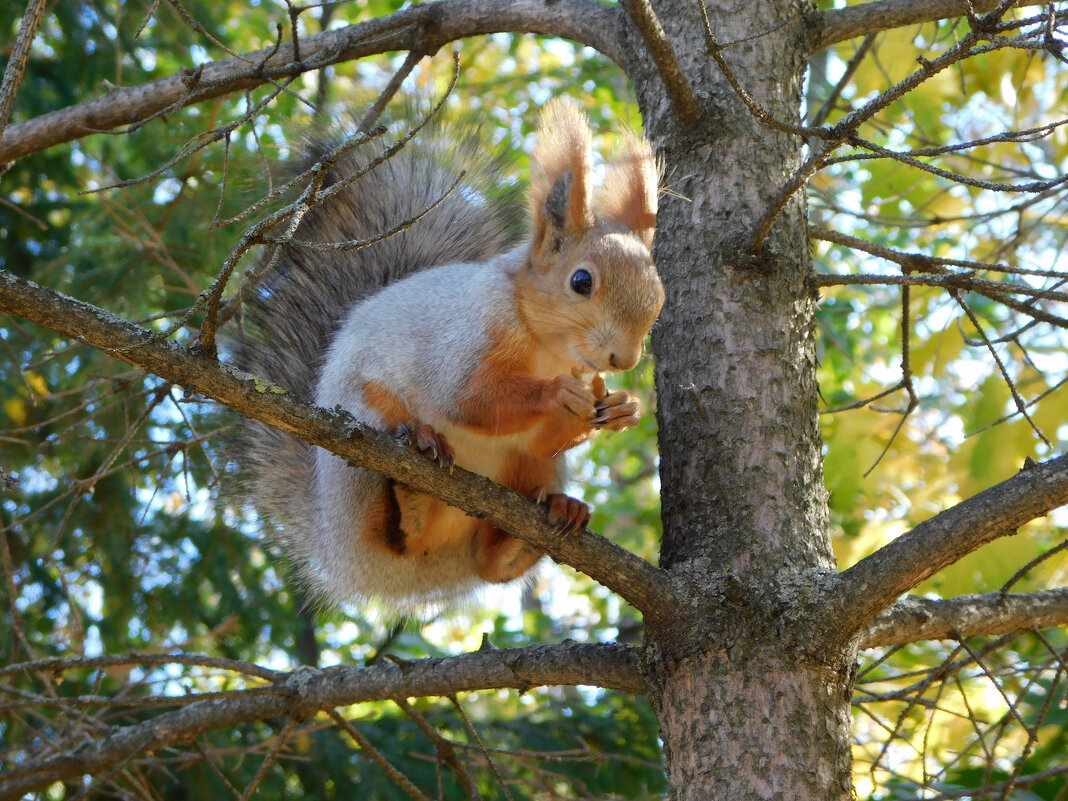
<point>629,194</point>
<point>561,197</point>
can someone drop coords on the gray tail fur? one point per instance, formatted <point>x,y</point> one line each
<point>291,318</point>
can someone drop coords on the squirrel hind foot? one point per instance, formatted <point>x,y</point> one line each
<point>426,440</point>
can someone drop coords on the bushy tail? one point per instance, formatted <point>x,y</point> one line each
<point>291,318</point>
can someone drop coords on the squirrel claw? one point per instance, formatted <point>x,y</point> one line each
<point>617,411</point>
<point>569,515</point>
<point>426,440</point>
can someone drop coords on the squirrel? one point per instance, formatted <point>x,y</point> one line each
<point>475,346</point>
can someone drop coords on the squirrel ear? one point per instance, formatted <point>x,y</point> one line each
<point>629,195</point>
<point>560,192</point>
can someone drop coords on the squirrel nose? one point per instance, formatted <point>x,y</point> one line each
<point>625,361</point>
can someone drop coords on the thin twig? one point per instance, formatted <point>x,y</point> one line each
<point>369,121</point>
<point>446,753</point>
<point>1011,415</point>
<point>845,129</point>
<point>1027,135</point>
<point>1020,404</point>
<point>269,760</point>
<point>377,757</point>
<point>850,69</point>
<point>312,195</point>
<point>997,685</point>
<point>906,377</point>
<point>20,54</point>
<point>914,261</point>
<point>991,186</point>
<point>949,280</point>
<point>58,665</point>
<point>714,49</point>
<point>234,792</point>
<point>482,747</point>
<point>1023,571</point>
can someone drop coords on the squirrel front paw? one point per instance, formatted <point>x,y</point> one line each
<point>617,411</point>
<point>569,515</point>
<point>574,397</point>
<point>428,441</point>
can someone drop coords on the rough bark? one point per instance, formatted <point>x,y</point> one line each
<point>745,711</point>
<point>839,24</point>
<point>992,613</point>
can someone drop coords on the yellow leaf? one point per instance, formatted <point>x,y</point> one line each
<point>15,409</point>
<point>37,383</point>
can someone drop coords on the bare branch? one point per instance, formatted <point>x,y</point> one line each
<point>919,261</point>
<point>269,760</point>
<point>370,119</point>
<point>645,586</point>
<point>445,747</point>
<point>424,27</point>
<point>906,375</point>
<point>1032,134</point>
<point>953,280</point>
<point>993,186</point>
<point>845,129</point>
<point>991,613</point>
<point>376,756</point>
<point>1021,405</point>
<point>20,54</point>
<point>839,24</point>
<point>995,290</point>
<point>308,691</point>
<point>312,195</point>
<point>715,51</point>
<point>864,590</point>
<point>827,106</point>
<point>678,88</point>
<point>57,665</point>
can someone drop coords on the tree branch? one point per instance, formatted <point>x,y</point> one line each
<point>643,585</point>
<point>307,691</point>
<point>953,280</point>
<point>838,24</point>
<point>20,53</point>
<point>425,28</point>
<point>912,618</point>
<point>678,87</point>
<point>864,590</point>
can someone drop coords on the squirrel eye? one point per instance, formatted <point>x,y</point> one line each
<point>582,282</point>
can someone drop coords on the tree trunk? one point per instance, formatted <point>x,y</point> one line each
<point>749,707</point>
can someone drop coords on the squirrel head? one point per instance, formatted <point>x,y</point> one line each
<point>590,291</point>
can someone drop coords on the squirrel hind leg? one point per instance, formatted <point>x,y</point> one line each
<point>500,557</point>
<point>382,521</point>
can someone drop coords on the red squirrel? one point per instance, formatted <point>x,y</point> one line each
<point>487,352</point>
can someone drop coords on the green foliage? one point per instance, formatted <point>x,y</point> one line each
<point>120,541</point>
